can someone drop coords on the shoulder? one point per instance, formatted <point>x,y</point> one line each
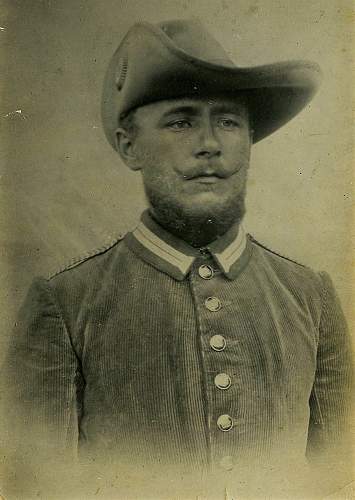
<point>275,255</point>
<point>90,261</point>
<point>286,269</point>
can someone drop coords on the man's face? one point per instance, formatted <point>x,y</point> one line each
<point>194,155</point>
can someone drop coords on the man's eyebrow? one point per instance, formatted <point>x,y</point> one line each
<point>194,111</point>
<point>226,108</point>
<point>188,110</point>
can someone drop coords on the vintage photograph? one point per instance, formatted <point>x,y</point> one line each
<point>177,234</point>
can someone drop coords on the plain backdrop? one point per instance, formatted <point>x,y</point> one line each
<point>64,191</point>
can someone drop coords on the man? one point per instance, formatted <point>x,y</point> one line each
<point>187,345</point>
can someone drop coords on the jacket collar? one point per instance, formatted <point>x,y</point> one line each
<point>175,257</point>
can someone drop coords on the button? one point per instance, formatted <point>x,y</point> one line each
<point>225,423</point>
<point>222,381</point>
<point>213,304</point>
<point>206,272</point>
<point>218,342</point>
<point>226,462</point>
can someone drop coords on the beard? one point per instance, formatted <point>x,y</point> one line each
<point>197,227</point>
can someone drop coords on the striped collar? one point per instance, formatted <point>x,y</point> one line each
<point>175,257</point>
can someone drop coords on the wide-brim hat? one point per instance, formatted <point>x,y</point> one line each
<point>181,58</point>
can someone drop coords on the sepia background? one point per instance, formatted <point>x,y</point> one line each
<point>65,191</point>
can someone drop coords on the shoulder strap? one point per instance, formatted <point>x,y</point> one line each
<point>272,251</point>
<point>88,255</point>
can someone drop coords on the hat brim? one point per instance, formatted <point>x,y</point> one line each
<point>161,70</point>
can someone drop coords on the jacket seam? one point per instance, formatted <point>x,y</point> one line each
<point>57,306</point>
<point>76,261</point>
<point>323,302</point>
<point>321,419</point>
<point>69,338</point>
<point>256,242</point>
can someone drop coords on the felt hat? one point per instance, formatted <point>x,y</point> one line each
<point>180,58</point>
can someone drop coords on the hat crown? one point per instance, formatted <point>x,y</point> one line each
<point>194,39</point>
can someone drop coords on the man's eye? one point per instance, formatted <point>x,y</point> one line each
<point>180,124</point>
<point>228,123</point>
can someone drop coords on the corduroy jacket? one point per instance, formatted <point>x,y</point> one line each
<point>217,361</point>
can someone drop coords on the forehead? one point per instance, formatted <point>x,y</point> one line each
<point>203,105</point>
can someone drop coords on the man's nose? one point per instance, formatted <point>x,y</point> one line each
<point>208,144</point>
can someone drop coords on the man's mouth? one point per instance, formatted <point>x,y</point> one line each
<point>206,179</point>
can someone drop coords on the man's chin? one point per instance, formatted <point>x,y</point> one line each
<point>205,205</point>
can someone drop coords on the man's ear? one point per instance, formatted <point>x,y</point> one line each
<point>126,149</point>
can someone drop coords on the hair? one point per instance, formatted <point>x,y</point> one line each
<point>129,123</point>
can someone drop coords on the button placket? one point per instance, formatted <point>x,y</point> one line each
<point>206,288</point>
<point>222,381</point>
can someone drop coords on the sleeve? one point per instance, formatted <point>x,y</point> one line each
<point>331,405</point>
<point>40,379</point>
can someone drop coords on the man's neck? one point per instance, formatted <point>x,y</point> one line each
<point>198,232</point>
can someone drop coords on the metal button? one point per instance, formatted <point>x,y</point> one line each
<point>225,423</point>
<point>227,462</point>
<point>213,304</point>
<point>222,381</point>
<point>218,342</point>
<point>206,272</point>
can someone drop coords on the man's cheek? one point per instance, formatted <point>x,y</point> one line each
<point>238,181</point>
<point>157,180</point>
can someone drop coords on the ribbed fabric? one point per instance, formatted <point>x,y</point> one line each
<point>115,361</point>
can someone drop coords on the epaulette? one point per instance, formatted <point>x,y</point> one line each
<point>88,255</point>
<point>272,251</point>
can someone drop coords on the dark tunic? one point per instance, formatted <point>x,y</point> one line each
<point>132,356</point>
